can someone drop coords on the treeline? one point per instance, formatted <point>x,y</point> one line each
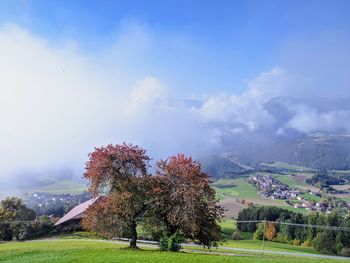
<point>20,222</point>
<point>315,233</point>
<point>324,180</point>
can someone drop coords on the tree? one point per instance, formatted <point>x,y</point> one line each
<point>10,208</point>
<point>236,235</point>
<point>259,232</point>
<point>270,231</point>
<point>325,242</point>
<point>14,217</point>
<point>185,202</point>
<point>119,172</point>
<point>343,239</point>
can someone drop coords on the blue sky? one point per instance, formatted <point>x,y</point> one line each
<point>227,41</point>
<point>172,76</point>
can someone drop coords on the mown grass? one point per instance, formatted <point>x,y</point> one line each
<point>62,187</point>
<point>66,186</point>
<point>258,244</point>
<point>94,251</point>
<point>291,181</point>
<point>311,197</point>
<point>287,166</point>
<point>239,188</point>
<point>297,210</point>
<point>228,226</point>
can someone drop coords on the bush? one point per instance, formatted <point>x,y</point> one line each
<point>5,232</point>
<point>307,243</point>
<point>236,235</point>
<point>29,230</point>
<point>282,238</point>
<point>296,242</point>
<point>171,243</point>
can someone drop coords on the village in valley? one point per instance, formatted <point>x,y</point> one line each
<point>271,188</point>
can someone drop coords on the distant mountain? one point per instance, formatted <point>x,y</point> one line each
<point>316,151</point>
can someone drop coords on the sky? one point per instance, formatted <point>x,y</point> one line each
<point>173,76</point>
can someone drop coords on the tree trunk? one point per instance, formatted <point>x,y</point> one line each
<point>133,237</point>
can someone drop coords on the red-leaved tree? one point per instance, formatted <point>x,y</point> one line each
<point>185,202</point>
<point>120,173</point>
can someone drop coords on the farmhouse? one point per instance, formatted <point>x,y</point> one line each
<point>73,218</point>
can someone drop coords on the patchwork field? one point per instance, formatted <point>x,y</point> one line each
<point>235,194</point>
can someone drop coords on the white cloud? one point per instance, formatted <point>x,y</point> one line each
<point>245,109</point>
<point>309,120</point>
<point>57,103</point>
<point>267,85</point>
<point>149,90</point>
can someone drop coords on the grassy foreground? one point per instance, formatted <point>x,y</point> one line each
<point>95,251</point>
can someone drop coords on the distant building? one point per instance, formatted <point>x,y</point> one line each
<point>73,218</point>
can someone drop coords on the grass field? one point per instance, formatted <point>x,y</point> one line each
<point>288,166</point>
<point>257,244</point>
<point>237,187</point>
<point>93,251</point>
<point>311,197</point>
<point>297,181</point>
<point>64,186</point>
<point>346,197</point>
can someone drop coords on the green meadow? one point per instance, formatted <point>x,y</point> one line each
<point>236,187</point>
<point>96,251</point>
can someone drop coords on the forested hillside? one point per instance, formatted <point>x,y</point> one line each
<point>317,152</point>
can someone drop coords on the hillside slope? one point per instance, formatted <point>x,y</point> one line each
<point>218,167</point>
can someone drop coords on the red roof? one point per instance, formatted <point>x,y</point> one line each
<point>77,212</point>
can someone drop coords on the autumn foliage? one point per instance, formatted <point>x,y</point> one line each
<point>185,201</point>
<point>270,231</point>
<point>115,167</point>
<point>120,173</point>
<point>178,199</point>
